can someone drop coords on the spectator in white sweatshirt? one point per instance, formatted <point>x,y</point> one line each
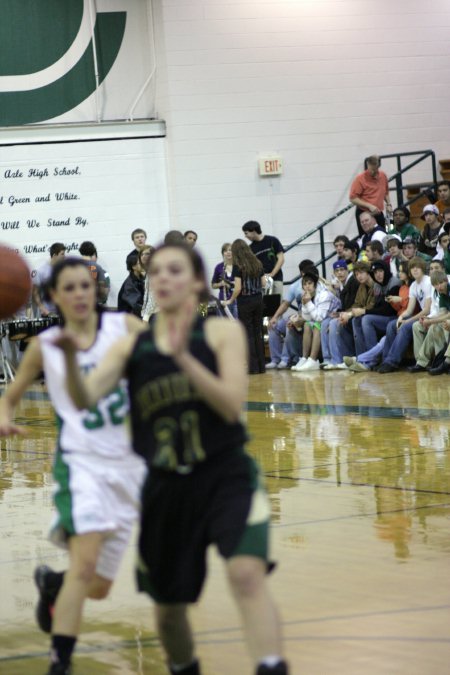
<point>317,303</point>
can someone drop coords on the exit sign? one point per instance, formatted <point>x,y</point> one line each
<point>270,166</point>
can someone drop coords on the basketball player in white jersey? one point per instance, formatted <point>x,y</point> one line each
<point>98,477</point>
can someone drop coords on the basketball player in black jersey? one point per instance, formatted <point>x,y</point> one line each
<point>187,383</point>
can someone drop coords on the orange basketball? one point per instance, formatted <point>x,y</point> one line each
<point>15,282</point>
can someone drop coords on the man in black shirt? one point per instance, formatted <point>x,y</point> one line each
<point>268,250</point>
<point>139,239</point>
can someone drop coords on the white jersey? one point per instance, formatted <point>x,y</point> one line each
<point>100,432</point>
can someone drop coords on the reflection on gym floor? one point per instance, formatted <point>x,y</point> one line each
<point>358,472</point>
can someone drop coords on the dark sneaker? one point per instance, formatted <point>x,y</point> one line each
<point>387,368</point>
<point>192,669</point>
<point>417,368</point>
<point>47,596</point>
<point>59,669</point>
<point>280,669</point>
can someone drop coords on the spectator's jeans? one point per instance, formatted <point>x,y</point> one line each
<point>371,357</point>
<point>397,342</point>
<point>284,345</point>
<point>325,340</point>
<point>341,340</point>
<point>374,327</point>
<point>358,335</point>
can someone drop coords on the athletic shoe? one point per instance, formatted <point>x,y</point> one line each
<point>387,368</point>
<point>417,368</point>
<point>358,368</point>
<point>349,360</point>
<point>324,365</point>
<point>59,669</point>
<point>282,365</point>
<point>299,364</point>
<point>309,365</point>
<point>191,669</point>
<point>335,366</point>
<point>47,597</point>
<point>443,368</point>
<point>280,669</point>
<point>271,366</point>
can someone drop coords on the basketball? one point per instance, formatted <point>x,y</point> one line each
<point>15,282</point>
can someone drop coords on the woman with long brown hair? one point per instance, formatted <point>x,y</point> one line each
<point>187,383</point>
<point>248,284</point>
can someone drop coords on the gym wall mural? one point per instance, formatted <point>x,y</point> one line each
<point>66,65</point>
<point>72,61</point>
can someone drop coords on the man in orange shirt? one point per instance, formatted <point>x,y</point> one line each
<point>370,191</point>
<point>443,189</point>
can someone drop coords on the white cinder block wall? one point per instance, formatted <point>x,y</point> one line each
<point>323,83</point>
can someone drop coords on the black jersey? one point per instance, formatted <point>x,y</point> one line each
<point>173,427</point>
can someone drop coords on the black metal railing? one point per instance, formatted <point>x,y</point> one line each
<point>397,177</point>
<point>399,187</point>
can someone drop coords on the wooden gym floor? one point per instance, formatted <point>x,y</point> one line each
<point>358,471</point>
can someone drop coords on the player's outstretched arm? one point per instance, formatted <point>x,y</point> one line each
<point>86,391</point>
<point>28,370</point>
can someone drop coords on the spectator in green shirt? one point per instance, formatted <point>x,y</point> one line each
<point>402,226</point>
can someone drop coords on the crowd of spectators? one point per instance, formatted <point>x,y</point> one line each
<point>388,297</point>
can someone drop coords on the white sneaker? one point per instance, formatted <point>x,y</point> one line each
<point>331,366</point>
<point>342,366</point>
<point>282,365</point>
<point>299,364</point>
<point>309,365</point>
<point>271,365</point>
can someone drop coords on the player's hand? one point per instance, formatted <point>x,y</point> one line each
<point>67,342</point>
<point>8,428</point>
